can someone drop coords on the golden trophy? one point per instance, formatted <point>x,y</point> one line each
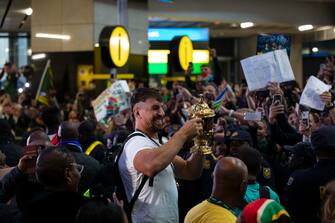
<point>203,142</point>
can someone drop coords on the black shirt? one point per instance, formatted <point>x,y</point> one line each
<point>304,191</point>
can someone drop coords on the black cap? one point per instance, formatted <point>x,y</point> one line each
<point>324,138</point>
<point>237,134</point>
<point>301,149</point>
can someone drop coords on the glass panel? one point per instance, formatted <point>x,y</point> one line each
<point>22,51</point>
<point>4,50</point>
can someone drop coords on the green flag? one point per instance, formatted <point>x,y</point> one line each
<point>46,84</point>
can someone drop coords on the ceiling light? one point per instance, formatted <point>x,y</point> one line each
<point>38,56</point>
<point>53,36</point>
<point>315,49</point>
<point>27,84</point>
<point>28,11</point>
<point>322,28</point>
<point>29,52</point>
<point>305,27</point>
<point>245,25</point>
<point>167,1</point>
<point>20,90</point>
<point>96,45</point>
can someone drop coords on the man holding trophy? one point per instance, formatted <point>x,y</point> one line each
<point>145,155</point>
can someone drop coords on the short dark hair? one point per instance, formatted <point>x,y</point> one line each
<point>8,64</point>
<point>51,116</point>
<point>51,165</point>
<point>69,130</point>
<point>142,94</point>
<point>252,159</point>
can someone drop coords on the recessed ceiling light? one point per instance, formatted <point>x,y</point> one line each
<point>245,25</point>
<point>28,11</point>
<point>323,28</point>
<point>305,27</point>
<point>38,56</point>
<point>53,36</point>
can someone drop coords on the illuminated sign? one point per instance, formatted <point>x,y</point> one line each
<point>115,46</point>
<point>200,57</point>
<point>167,34</point>
<point>182,52</point>
<point>158,61</point>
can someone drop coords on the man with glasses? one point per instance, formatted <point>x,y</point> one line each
<point>59,201</point>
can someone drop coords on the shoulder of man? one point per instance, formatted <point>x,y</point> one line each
<point>298,177</point>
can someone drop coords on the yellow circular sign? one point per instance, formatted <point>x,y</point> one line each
<point>185,52</point>
<point>119,46</point>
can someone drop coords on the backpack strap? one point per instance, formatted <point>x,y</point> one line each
<point>144,178</point>
<point>264,192</point>
<point>92,146</point>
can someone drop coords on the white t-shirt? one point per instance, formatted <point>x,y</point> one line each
<point>158,203</point>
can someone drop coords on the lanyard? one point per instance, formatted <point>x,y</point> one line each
<point>215,201</point>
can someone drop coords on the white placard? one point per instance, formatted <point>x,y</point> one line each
<point>261,69</point>
<point>111,101</point>
<point>311,95</point>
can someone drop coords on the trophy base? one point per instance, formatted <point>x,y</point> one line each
<point>204,149</point>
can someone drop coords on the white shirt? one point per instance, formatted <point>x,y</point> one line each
<point>158,203</point>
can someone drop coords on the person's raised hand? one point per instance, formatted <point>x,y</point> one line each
<point>326,97</point>
<point>192,128</point>
<point>304,130</point>
<point>213,52</point>
<point>25,164</point>
<point>189,69</point>
<point>274,111</point>
<point>274,88</point>
<point>120,204</point>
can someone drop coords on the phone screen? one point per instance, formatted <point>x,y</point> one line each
<point>305,118</point>
<point>253,116</point>
<point>277,99</point>
<point>32,152</point>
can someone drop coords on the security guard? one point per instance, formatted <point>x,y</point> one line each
<point>236,137</point>
<point>305,188</point>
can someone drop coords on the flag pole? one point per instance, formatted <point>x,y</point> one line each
<point>42,79</point>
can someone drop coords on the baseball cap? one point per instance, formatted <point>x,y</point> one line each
<point>301,149</point>
<point>237,134</point>
<point>324,138</point>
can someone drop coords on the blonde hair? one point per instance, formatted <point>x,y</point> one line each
<point>328,210</point>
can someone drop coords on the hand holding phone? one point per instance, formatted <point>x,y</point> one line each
<point>277,99</point>
<point>305,119</point>
<point>28,161</point>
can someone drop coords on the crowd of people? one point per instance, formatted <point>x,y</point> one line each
<point>58,164</point>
